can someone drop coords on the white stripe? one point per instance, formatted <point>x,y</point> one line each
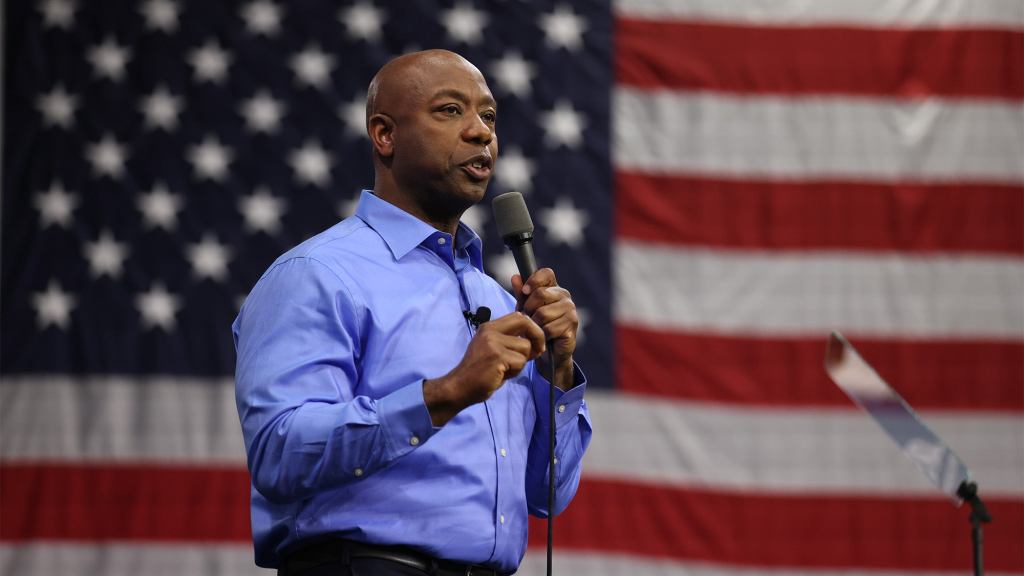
<point>603,564</point>
<point>804,451</point>
<point>1003,14</point>
<point>645,440</point>
<point>818,137</point>
<point>161,419</point>
<point>813,293</point>
<point>42,558</point>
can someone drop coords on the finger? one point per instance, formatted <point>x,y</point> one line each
<point>549,313</point>
<point>520,325</point>
<point>545,296</point>
<point>561,328</point>
<point>539,279</point>
<point>517,284</point>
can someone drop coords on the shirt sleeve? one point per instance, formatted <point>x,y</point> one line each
<point>572,436</point>
<point>298,339</point>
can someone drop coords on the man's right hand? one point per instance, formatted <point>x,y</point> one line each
<point>499,350</point>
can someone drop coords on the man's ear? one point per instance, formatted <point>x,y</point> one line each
<point>381,129</point>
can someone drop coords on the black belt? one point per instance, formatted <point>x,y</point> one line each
<point>343,551</point>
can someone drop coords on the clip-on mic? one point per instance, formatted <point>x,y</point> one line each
<point>483,314</point>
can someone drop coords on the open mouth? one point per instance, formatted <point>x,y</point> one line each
<point>478,167</point>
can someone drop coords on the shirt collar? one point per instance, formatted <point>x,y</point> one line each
<point>402,231</point>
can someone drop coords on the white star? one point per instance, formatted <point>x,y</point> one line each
<point>160,15</point>
<point>106,255</point>
<point>262,211</point>
<point>55,206</point>
<point>514,74</point>
<point>262,17</point>
<point>159,207</point>
<point>210,159</point>
<point>313,67</point>
<point>262,112</point>
<point>161,109</point>
<point>58,13</point>
<point>564,222</point>
<point>57,107</point>
<point>209,258</point>
<point>476,218</point>
<point>107,157</point>
<point>312,164</point>
<point>464,24</point>
<point>347,208</point>
<point>583,315</point>
<point>515,171</point>
<point>53,307</point>
<point>501,267</point>
<point>563,126</point>
<point>363,21</point>
<point>158,307</point>
<point>353,114</point>
<point>563,28</point>
<point>210,62</point>
<point>109,59</point>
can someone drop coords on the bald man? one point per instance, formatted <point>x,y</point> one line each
<point>386,432</point>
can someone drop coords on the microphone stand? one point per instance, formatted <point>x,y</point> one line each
<point>979,514</point>
<point>551,460</point>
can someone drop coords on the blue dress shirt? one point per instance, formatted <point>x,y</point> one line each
<point>334,343</point>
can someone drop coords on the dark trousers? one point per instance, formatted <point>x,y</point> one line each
<point>361,567</point>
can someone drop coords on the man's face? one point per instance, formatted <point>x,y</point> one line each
<point>444,140</point>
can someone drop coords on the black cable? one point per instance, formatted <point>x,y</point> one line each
<point>551,461</point>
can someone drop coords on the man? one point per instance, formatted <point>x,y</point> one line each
<point>386,434</point>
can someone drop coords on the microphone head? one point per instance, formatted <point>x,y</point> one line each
<point>511,215</point>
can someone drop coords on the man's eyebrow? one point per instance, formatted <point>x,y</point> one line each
<point>460,96</point>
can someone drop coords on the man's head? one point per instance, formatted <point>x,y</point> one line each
<point>431,119</point>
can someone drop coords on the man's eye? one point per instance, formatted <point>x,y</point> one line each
<point>489,117</point>
<point>451,110</point>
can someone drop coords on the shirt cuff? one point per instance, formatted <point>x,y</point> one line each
<point>568,403</point>
<point>404,419</point>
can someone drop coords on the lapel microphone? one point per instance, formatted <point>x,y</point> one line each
<point>483,314</point>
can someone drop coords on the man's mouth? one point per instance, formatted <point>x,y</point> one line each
<point>478,167</point>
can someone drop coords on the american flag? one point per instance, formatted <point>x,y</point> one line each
<point>719,184</point>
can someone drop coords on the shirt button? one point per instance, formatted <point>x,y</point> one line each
<point>503,453</point>
<point>501,518</point>
<point>358,472</point>
<point>561,409</point>
<point>442,240</point>
<point>414,441</point>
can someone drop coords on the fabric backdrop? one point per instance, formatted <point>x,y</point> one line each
<point>720,184</point>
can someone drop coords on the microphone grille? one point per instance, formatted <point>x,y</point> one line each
<point>511,215</point>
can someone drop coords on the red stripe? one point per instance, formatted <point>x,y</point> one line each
<point>910,217</point>
<point>961,375</point>
<point>778,531</point>
<point>123,502</point>
<point>820,59</point>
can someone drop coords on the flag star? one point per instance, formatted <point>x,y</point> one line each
<point>109,60</point>
<point>57,107</point>
<point>515,171</point>
<point>209,258</point>
<point>107,157</point>
<point>583,315</point>
<point>353,114</point>
<point>158,307</point>
<point>562,28</point>
<point>347,208</point>
<point>564,222</point>
<point>262,17</point>
<point>262,211</point>
<point>58,13</point>
<point>159,207</point>
<point>106,255</point>
<point>53,307</point>
<point>476,218</point>
<point>210,159</point>
<point>563,125</point>
<point>464,23</point>
<point>262,113</point>
<point>210,62</point>
<point>501,267</point>
<point>363,21</point>
<point>160,15</point>
<point>312,164</point>
<point>514,74</point>
<point>161,109</point>
<point>55,206</point>
<point>313,67</point>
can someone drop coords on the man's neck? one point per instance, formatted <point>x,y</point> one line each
<point>446,223</point>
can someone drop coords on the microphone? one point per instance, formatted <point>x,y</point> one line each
<point>483,314</point>
<point>516,229</point>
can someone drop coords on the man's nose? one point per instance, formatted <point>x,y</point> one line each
<point>478,131</point>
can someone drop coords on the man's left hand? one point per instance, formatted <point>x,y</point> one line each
<point>552,308</point>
